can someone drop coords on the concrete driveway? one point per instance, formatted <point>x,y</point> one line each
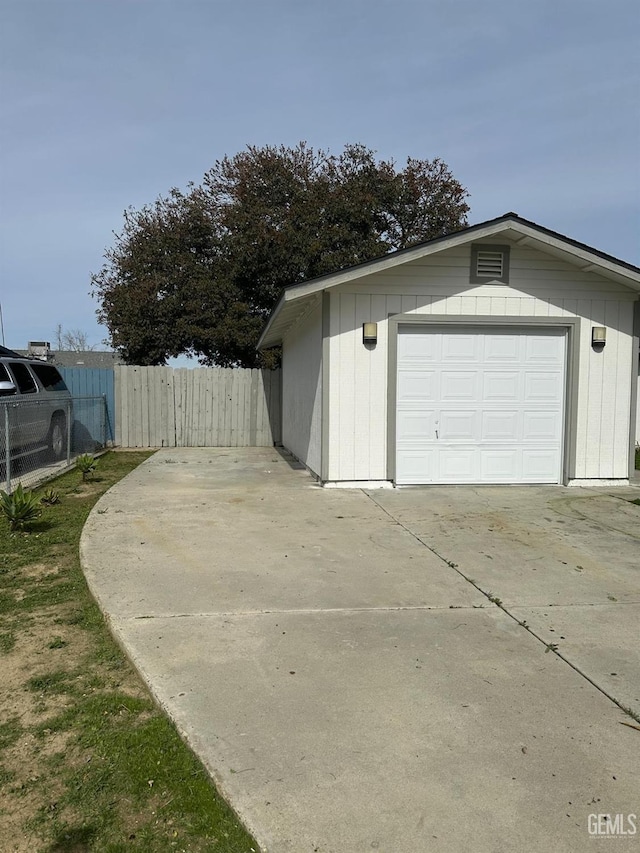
<point>377,670</point>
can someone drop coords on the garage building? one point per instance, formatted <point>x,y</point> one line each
<point>502,353</point>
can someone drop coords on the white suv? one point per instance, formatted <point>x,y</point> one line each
<point>35,406</point>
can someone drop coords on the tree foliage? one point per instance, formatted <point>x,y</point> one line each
<point>198,272</point>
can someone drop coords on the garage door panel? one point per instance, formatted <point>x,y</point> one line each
<point>460,385</point>
<point>544,349</point>
<point>416,466</point>
<point>543,386</point>
<point>501,385</point>
<point>502,348</point>
<point>541,426</point>
<point>500,426</point>
<point>457,465</point>
<point>416,426</point>
<point>413,346</point>
<point>480,405</point>
<point>417,385</point>
<point>460,347</point>
<point>539,466</point>
<point>500,466</point>
<point>458,425</point>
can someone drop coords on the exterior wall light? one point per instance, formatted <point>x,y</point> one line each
<point>598,337</point>
<point>369,333</point>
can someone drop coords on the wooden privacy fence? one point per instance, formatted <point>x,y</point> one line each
<point>201,407</point>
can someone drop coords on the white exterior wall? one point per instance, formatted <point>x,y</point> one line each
<point>302,388</point>
<point>638,414</point>
<point>540,286</point>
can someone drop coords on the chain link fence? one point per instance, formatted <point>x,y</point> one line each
<point>38,440</point>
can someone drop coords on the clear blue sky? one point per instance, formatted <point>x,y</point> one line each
<point>534,104</point>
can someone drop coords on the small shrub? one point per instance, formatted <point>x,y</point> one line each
<point>20,508</point>
<point>86,464</point>
<point>50,497</point>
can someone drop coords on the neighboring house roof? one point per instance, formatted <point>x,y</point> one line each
<point>295,298</point>
<point>87,358</point>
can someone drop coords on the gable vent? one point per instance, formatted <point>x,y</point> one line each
<point>489,263</point>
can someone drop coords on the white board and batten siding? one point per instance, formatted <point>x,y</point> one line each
<point>302,389</point>
<point>199,407</point>
<point>540,286</point>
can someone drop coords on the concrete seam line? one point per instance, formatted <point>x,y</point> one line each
<point>494,600</point>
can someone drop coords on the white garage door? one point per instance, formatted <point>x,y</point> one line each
<point>480,405</point>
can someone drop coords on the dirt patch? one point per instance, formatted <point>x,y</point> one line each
<point>30,700</point>
<point>39,570</point>
<point>15,837</point>
<point>27,783</point>
<point>88,488</point>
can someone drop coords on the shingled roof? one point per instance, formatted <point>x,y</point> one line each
<point>87,358</point>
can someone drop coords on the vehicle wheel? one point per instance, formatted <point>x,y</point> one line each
<point>58,437</point>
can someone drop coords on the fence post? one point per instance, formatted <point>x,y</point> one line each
<point>7,446</point>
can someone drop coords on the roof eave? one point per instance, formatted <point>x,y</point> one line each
<point>262,344</point>
<point>586,258</point>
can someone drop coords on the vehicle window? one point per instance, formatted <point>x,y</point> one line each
<point>24,380</point>
<point>49,376</point>
<point>4,377</point>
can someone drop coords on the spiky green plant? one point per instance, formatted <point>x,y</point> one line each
<point>50,497</point>
<point>86,464</point>
<point>20,508</point>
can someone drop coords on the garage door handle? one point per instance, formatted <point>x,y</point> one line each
<point>436,433</point>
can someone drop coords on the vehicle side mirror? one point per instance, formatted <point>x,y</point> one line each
<point>7,388</point>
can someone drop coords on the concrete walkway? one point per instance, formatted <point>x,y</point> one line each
<point>335,660</point>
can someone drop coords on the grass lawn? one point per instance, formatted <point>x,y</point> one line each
<point>87,760</point>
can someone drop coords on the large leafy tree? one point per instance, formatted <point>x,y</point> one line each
<point>198,272</point>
